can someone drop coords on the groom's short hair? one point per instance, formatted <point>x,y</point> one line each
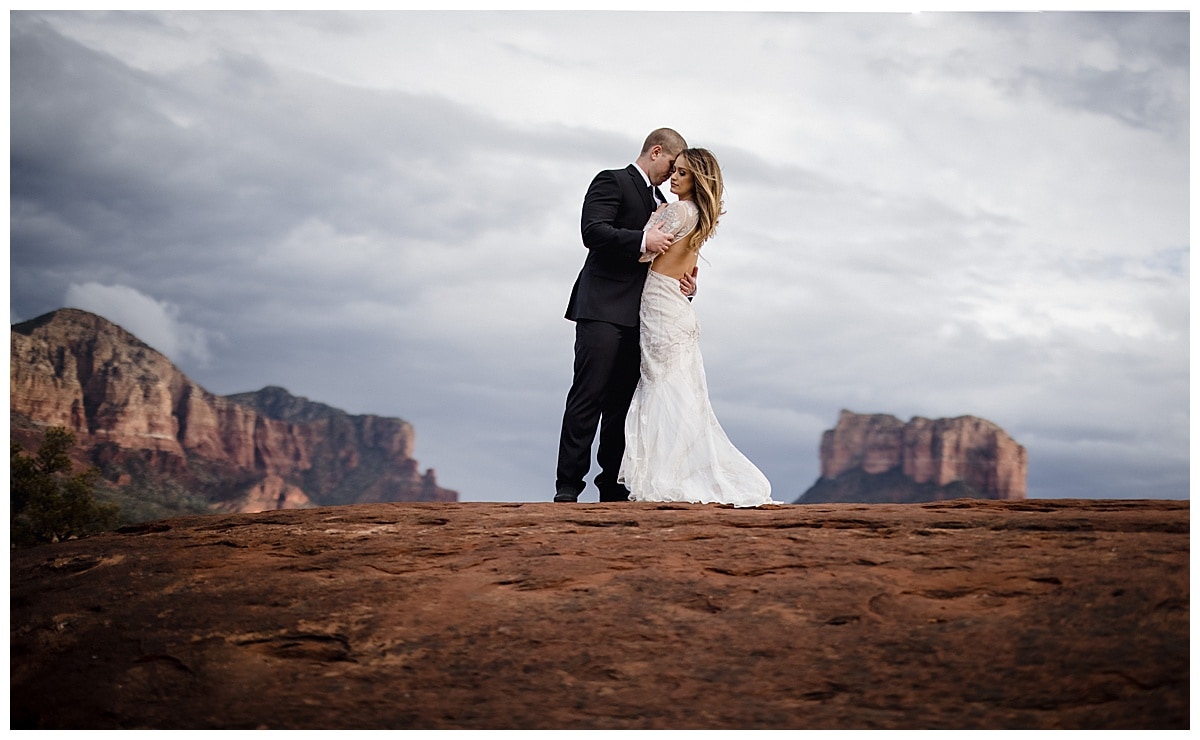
<point>669,139</point>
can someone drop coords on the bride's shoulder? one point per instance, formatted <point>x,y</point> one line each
<point>681,210</point>
<point>688,212</point>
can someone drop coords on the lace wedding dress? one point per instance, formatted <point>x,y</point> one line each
<point>675,450</point>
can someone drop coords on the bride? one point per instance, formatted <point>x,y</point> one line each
<point>674,448</point>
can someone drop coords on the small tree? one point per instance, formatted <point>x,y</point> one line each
<point>49,502</point>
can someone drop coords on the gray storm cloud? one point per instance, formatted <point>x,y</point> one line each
<point>932,214</point>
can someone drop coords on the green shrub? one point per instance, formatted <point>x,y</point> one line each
<point>50,503</point>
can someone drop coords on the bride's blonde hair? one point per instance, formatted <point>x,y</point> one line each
<point>708,192</point>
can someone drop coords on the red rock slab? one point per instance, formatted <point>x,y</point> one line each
<point>952,615</point>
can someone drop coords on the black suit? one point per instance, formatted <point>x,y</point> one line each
<point>604,306</point>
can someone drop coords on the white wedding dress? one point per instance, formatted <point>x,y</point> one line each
<point>674,448</point>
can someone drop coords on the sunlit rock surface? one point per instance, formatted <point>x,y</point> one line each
<point>960,614</point>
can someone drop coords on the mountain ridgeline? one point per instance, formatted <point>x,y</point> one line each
<point>167,446</point>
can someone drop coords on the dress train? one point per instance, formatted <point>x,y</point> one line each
<point>675,450</point>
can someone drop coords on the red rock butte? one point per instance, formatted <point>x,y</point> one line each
<point>877,457</point>
<point>246,452</point>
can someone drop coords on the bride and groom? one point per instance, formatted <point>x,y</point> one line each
<point>638,373</point>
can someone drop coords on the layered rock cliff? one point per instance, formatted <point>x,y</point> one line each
<point>878,458</point>
<point>148,426</point>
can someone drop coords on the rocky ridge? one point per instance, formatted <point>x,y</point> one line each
<point>876,458</point>
<point>1038,614</point>
<point>145,423</point>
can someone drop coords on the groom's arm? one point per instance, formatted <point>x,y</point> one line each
<point>601,206</point>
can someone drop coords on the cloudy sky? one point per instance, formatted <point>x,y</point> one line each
<point>928,214</point>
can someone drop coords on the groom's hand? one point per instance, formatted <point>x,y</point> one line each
<point>687,283</point>
<point>657,240</point>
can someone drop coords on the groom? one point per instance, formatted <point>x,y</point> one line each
<point>604,306</point>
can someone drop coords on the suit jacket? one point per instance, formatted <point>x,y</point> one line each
<point>609,287</point>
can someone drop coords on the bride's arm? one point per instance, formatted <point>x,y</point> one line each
<point>663,219</point>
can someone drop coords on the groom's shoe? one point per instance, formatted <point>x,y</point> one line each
<point>619,493</point>
<point>566,495</point>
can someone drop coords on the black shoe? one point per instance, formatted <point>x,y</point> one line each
<point>566,495</point>
<point>615,494</point>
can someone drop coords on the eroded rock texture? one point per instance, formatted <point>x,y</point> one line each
<point>962,614</point>
<point>144,422</point>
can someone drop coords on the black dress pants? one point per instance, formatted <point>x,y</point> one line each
<point>606,374</point>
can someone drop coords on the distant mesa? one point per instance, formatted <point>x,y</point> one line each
<point>876,458</point>
<point>167,446</point>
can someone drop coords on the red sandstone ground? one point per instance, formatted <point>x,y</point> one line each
<point>961,614</point>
